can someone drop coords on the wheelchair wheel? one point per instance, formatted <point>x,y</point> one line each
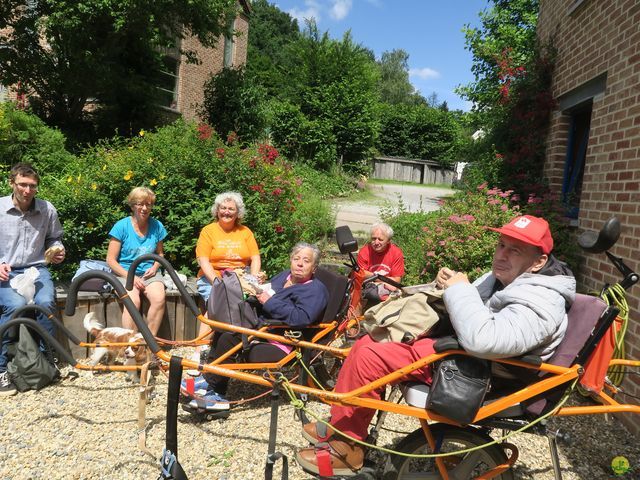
<point>460,467</point>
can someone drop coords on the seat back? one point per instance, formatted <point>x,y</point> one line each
<point>337,286</point>
<point>582,318</point>
<point>585,314</point>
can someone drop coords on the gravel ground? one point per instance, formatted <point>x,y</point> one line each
<point>85,427</point>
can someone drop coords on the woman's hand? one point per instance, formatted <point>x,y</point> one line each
<point>263,297</point>
<point>138,283</point>
<point>151,272</point>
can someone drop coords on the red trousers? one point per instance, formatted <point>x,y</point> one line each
<point>367,361</point>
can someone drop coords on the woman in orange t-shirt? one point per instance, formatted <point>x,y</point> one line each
<point>225,244</point>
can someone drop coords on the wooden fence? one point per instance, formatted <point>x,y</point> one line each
<point>179,323</point>
<point>411,170</point>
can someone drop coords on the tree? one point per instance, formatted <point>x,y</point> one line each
<point>334,84</point>
<point>395,86</point>
<point>232,103</point>
<point>508,33</point>
<point>272,30</point>
<point>65,53</point>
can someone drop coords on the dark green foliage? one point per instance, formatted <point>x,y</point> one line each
<point>109,51</point>
<point>232,103</point>
<point>25,138</point>
<point>419,132</point>
<point>270,33</point>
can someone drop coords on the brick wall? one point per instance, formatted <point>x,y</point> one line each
<point>192,77</point>
<point>593,38</point>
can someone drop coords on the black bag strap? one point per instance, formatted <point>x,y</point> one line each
<point>171,469</point>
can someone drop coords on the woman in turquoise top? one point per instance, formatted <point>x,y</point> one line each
<point>134,236</point>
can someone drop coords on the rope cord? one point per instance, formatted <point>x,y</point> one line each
<point>616,295</point>
<point>299,404</point>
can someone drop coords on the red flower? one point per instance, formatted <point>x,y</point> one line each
<point>204,131</point>
<point>279,228</point>
<point>277,191</point>
<point>257,188</point>
<point>220,152</point>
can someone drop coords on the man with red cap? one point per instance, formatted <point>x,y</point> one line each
<point>518,307</point>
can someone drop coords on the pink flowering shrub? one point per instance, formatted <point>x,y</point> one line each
<point>454,236</point>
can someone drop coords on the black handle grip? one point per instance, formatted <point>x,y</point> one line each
<point>19,312</point>
<point>186,297</point>
<point>46,336</point>
<point>72,298</point>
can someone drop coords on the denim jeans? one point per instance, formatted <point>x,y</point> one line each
<point>10,301</point>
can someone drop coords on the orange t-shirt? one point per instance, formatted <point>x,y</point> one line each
<point>232,249</point>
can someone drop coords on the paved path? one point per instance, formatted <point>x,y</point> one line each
<point>362,214</point>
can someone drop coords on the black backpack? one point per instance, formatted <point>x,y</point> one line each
<point>227,304</point>
<point>30,368</point>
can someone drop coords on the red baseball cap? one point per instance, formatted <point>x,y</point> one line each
<point>529,229</point>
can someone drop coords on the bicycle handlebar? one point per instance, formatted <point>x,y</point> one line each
<point>385,279</point>
<point>186,297</point>
<point>72,298</point>
<point>39,308</point>
<point>46,336</point>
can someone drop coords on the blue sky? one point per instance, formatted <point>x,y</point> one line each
<point>430,31</point>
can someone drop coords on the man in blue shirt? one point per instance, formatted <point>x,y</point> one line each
<point>29,232</point>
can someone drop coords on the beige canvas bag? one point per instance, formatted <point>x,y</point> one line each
<point>400,319</point>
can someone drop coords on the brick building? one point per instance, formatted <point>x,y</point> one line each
<point>593,148</point>
<point>181,83</point>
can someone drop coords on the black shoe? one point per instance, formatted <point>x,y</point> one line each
<point>7,388</point>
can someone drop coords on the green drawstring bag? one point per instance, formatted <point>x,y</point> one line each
<point>30,369</point>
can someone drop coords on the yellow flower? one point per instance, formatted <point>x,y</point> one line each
<point>162,177</point>
<point>94,186</point>
<point>153,182</point>
<point>141,133</point>
<point>104,167</point>
<point>79,178</point>
<point>90,225</point>
<point>69,179</point>
<point>128,175</point>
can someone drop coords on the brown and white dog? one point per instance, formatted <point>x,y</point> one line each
<point>133,355</point>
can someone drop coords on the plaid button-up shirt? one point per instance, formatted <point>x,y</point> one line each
<point>24,237</point>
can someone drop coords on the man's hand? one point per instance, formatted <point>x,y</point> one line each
<point>59,256</point>
<point>447,277</point>
<point>5,268</point>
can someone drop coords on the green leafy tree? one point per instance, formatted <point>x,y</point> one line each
<point>272,30</point>
<point>333,83</point>
<point>508,30</point>
<point>232,103</point>
<point>395,87</point>
<point>65,53</point>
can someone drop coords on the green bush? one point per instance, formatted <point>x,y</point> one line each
<point>25,138</point>
<point>186,166</point>
<point>454,236</point>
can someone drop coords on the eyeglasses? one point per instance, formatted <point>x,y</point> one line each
<point>227,209</point>
<point>30,186</point>
<point>140,205</point>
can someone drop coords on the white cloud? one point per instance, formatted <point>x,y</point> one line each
<point>311,10</point>
<point>340,9</point>
<point>424,73</point>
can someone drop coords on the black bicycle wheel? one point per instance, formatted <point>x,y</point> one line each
<point>460,467</point>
